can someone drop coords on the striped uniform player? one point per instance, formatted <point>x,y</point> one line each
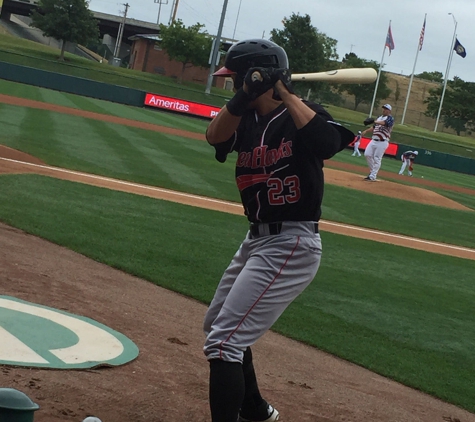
<point>374,152</point>
<point>281,143</point>
<point>356,145</point>
<point>407,159</point>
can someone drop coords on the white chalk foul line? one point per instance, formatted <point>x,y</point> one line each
<point>399,236</point>
<point>233,204</point>
<point>122,182</point>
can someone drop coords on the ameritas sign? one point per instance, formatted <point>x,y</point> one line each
<point>180,106</point>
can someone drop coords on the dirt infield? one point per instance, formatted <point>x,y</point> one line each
<point>168,381</point>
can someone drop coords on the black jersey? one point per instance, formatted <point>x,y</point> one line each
<point>279,169</point>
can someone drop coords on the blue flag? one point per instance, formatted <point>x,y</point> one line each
<point>459,48</point>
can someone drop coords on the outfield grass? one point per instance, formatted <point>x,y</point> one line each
<point>140,155</point>
<point>28,53</point>
<point>397,311</point>
<point>147,115</point>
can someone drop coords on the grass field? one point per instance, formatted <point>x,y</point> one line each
<point>409,317</point>
<point>28,53</point>
<point>402,313</point>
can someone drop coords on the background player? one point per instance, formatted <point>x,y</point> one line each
<point>407,159</point>
<point>281,142</point>
<point>356,145</point>
<point>381,129</point>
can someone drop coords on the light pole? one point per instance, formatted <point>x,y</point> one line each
<point>173,12</point>
<point>160,2</point>
<point>215,51</point>
<point>237,17</point>
<point>446,72</point>
<point>121,32</point>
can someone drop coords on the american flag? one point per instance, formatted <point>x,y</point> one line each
<point>389,40</point>
<point>421,38</point>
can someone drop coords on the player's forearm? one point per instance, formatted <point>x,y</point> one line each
<point>301,114</point>
<point>222,127</point>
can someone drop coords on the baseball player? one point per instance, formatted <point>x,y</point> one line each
<point>356,145</point>
<point>407,159</point>
<point>381,129</point>
<point>281,142</point>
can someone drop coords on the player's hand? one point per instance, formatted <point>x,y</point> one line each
<point>257,81</point>
<point>283,75</point>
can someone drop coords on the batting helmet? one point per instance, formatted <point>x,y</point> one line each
<point>251,53</point>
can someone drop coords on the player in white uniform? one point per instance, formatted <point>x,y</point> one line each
<point>407,159</point>
<point>356,145</point>
<point>374,152</point>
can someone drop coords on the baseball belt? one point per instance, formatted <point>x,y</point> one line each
<point>257,230</point>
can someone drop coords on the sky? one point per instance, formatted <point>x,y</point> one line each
<point>358,26</point>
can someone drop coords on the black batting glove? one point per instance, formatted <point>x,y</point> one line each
<point>283,75</point>
<point>237,105</point>
<point>258,81</point>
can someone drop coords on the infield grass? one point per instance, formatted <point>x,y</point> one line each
<point>20,131</point>
<point>187,165</point>
<point>363,209</point>
<point>403,313</point>
<point>157,159</point>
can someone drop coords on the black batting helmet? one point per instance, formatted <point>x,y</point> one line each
<point>252,53</point>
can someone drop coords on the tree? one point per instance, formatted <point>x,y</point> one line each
<point>397,92</point>
<point>363,93</point>
<point>458,109</point>
<point>67,21</point>
<point>308,51</point>
<point>189,46</point>
<point>431,76</point>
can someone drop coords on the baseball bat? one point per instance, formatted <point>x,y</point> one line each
<point>360,75</point>
<point>357,75</point>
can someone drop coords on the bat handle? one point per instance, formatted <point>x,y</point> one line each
<point>256,76</point>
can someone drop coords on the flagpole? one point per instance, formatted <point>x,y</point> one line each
<point>379,74</point>
<point>419,46</point>
<point>446,73</point>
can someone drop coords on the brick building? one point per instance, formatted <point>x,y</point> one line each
<point>146,55</point>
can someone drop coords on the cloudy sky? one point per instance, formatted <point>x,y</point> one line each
<point>358,26</point>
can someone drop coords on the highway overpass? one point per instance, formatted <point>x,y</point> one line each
<point>108,24</point>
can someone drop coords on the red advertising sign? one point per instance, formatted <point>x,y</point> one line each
<point>391,150</point>
<point>180,106</point>
<point>203,110</point>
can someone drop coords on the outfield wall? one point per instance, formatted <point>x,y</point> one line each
<point>72,84</point>
<point>440,160</point>
<point>137,98</point>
